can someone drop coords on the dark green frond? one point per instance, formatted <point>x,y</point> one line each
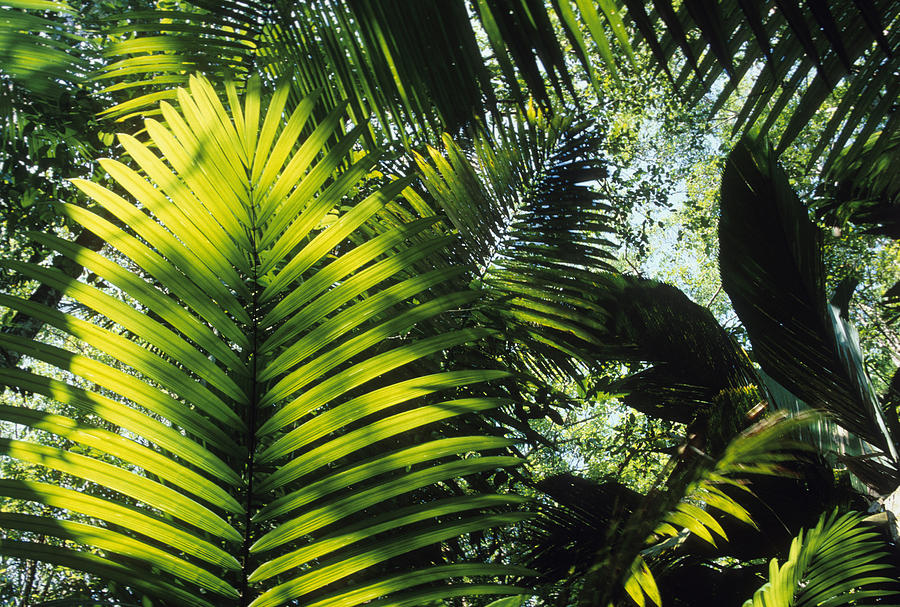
<point>864,189</point>
<point>808,51</point>
<point>772,269</point>
<point>424,70</point>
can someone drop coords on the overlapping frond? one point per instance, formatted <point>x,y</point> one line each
<point>647,528</point>
<point>530,223</point>
<point>772,269</point>
<point>810,53</point>
<point>152,52</point>
<point>694,369</point>
<point>38,45</point>
<point>413,67</point>
<point>257,424</point>
<point>424,70</point>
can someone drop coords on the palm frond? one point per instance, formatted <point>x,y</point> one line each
<point>772,269</point>
<point>591,529</point>
<point>835,563</point>
<point>762,449</point>
<point>37,45</point>
<point>809,53</point>
<point>562,540</point>
<point>664,519</point>
<point>259,429</point>
<point>533,226</point>
<point>864,188</point>
<point>152,52</point>
<point>683,366</point>
<point>424,70</point>
<point>530,224</point>
<point>698,372</point>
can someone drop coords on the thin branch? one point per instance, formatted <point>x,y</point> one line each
<point>713,298</point>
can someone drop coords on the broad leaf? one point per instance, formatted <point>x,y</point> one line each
<point>772,270</point>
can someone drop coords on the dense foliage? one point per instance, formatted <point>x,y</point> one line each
<point>395,302</point>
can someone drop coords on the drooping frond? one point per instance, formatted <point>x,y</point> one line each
<point>423,69</point>
<point>811,52</point>
<point>772,269</point>
<point>258,424</point>
<point>695,370</point>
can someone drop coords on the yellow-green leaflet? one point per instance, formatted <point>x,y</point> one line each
<point>248,393</point>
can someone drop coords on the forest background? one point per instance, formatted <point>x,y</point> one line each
<point>585,158</point>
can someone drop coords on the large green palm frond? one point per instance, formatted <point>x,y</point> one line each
<point>254,422</point>
<point>835,563</point>
<point>772,269</point>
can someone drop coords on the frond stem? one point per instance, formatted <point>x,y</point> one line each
<point>253,405</point>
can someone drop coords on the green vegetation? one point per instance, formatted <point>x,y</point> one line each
<point>488,302</point>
